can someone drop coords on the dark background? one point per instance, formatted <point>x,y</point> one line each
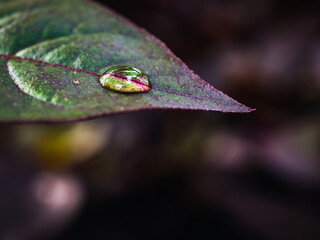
<point>185,174</point>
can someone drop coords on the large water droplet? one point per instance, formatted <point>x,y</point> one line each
<point>125,79</point>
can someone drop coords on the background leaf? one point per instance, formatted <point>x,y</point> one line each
<point>45,46</point>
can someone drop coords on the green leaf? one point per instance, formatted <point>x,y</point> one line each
<point>52,53</point>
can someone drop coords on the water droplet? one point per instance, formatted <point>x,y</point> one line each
<point>125,79</point>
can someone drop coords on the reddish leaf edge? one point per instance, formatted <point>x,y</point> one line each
<point>93,116</point>
<point>168,50</point>
<point>154,38</point>
<point>8,57</point>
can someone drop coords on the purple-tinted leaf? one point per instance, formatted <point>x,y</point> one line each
<point>52,53</point>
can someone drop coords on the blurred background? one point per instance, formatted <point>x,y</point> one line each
<point>185,174</point>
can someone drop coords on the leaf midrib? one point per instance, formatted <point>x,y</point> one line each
<point>9,57</point>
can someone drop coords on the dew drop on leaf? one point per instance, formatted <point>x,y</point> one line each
<point>125,79</point>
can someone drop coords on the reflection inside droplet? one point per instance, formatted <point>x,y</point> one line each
<point>125,79</point>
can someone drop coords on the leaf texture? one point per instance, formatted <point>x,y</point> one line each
<point>52,53</point>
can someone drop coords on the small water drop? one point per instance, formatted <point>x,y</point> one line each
<point>125,79</point>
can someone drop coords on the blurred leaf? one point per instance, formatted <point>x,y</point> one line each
<point>53,52</point>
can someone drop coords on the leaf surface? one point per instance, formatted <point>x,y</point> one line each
<point>52,53</point>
